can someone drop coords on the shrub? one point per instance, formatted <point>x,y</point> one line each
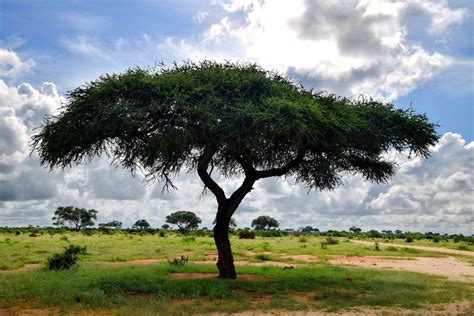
<point>324,245</point>
<point>391,248</point>
<point>67,259</point>
<point>189,239</point>
<point>262,257</point>
<point>247,234</point>
<point>462,247</point>
<point>331,241</point>
<point>410,250</point>
<point>377,246</point>
<point>162,233</point>
<point>409,239</point>
<point>64,238</point>
<point>303,239</point>
<point>179,261</point>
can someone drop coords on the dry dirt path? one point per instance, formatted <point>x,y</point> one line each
<point>426,248</point>
<point>449,267</point>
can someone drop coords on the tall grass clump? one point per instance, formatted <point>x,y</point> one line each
<point>67,259</point>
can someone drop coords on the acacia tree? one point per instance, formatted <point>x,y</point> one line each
<point>184,220</point>
<point>78,217</point>
<point>141,224</point>
<point>264,222</point>
<point>235,118</point>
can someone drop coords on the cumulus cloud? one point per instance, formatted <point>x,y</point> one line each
<point>434,194</point>
<point>11,65</point>
<point>349,47</point>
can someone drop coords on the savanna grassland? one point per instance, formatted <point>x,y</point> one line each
<point>134,273</point>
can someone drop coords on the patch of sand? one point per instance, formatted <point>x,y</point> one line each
<point>450,267</point>
<point>426,248</point>
<point>25,267</point>
<point>240,276</point>
<point>300,257</point>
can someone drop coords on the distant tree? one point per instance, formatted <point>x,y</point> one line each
<point>77,217</point>
<point>307,229</point>
<point>141,224</point>
<point>112,224</point>
<point>387,232</point>
<point>165,226</point>
<point>355,229</point>
<point>264,222</point>
<point>184,220</point>
<point>374,234</point>
<point>233,117</point>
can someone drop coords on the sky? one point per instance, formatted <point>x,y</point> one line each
<point>414,54</point>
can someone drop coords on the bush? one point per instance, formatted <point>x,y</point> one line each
<point>331,241</point>
<point>246,234</point>
<point>67,259</point>
<point>391,248</point>
<point>162,233</point>
<point>262,257</point>
<point>189,239</point>
<point>179,261</point>
<point>409,239</point>
<point>303,239</point>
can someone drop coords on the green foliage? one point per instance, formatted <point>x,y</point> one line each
<point>161,120</point>
<point>331,241</point>
<point>78,217</point>
<point>246,234</point>
<point>409,239</point>
<point>264,222</point>
<point>113,224</point>
<point>391,248</point>
<point>184,220</point>
<point>67,259</point>
<point>141,224</point>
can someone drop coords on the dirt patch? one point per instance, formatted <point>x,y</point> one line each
<point>145,261</point>
<point>300,257</point>
<point>248,263</point>
<point>450,267</point>
<point>244,277</point>
<point>425,248</point>
<point>25,267</point>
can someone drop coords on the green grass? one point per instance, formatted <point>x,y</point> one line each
<point>149,288</point>
<point>20,250</point>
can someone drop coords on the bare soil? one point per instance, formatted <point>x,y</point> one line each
<point>426,248</point>
<point>450,267</point>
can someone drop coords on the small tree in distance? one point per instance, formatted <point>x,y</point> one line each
<point>355,229</point>
<point>141,224</point>
<point>233,117</point>
<point>112,224</point>
<point>264,222</point>
<point>77,217</point>
<point>184,220</point>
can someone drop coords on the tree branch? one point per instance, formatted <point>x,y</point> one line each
<point>280,171</point>
<point>203,164</point>
<point>239,194</point>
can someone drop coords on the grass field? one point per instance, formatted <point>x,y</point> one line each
<point>105,282</point>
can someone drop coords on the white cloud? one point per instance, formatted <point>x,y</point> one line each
<point>347,47</point>
<point>12,66</point>
<point>87,46</point>
<point>434,194</point>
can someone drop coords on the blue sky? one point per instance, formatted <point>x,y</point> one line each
<point>417,54</point>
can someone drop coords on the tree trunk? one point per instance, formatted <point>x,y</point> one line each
<point>225,261</point>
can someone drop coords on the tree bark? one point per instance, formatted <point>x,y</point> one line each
<point>225,261</point>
